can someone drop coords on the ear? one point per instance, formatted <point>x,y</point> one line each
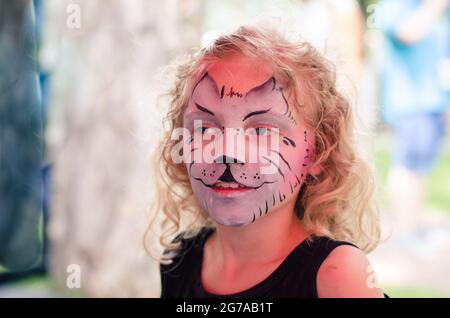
<point>264,88</point>
<point>315,170</point>
<point>208,83</point>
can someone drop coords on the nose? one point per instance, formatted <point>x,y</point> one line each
<point>227,176</point>
<point>227,160</point>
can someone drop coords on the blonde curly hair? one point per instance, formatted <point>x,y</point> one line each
<point>337,200</point>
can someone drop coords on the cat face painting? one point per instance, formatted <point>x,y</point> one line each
<point>241,94</point>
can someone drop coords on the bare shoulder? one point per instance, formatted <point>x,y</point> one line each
<point>346,272</point>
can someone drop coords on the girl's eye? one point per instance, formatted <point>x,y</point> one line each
<point>201,130</point>
<point>262,130</point>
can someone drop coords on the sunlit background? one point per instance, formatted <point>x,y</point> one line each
<point>79,81</point>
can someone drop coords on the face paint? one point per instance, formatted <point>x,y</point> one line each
<point>231,189</point>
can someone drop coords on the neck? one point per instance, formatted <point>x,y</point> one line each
<point>268,239</point>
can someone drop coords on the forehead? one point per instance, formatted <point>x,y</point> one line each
<point>240,72</point>
<point>233,87</point>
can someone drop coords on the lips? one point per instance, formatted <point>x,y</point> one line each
<point>228,185</point>
<point>229,188</point>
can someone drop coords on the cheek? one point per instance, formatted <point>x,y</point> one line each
<point>295,164</point>
<point>300,159</point>
<point>294,158</point>
<point>300,152</point>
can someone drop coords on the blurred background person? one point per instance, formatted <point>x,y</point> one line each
<point>413,102</point>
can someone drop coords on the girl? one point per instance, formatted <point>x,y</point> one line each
<point>287,212</point>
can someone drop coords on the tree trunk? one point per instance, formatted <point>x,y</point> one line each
<point>103,124</point>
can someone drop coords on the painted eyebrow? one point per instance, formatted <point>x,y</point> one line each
<point>258,112</point>
<point>203,109</point>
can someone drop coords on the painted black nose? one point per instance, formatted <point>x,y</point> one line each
<point>227,176</point>
<point>227,160</point>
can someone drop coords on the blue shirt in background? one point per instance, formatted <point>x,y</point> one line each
<point>409,73</point>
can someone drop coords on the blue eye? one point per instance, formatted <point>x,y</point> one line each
<point>262,130</point>
<point>201,130</point>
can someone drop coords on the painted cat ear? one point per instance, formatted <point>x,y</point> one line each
<point>207,82</point>
<point>266,87</point>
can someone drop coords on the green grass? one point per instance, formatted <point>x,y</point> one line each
<point>438,195</point>
<point>438,185</point>
<point>413,292</point>
<point>42,285</point>
<point>34,281</point>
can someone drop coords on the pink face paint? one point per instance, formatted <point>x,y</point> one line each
<point>232,189</point>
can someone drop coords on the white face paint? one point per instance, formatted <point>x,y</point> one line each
<point>237,192</point>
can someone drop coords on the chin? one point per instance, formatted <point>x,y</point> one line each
<point>232,222</point>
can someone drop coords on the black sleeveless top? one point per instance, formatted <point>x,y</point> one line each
<point>294,277</point>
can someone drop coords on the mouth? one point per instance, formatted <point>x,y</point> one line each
<point>229,188</point>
